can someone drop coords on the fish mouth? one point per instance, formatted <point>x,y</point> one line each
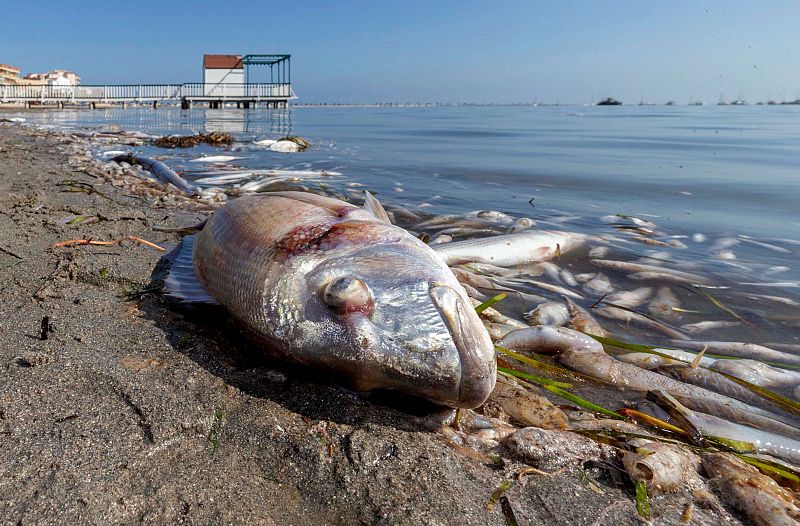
<point>475,349</point>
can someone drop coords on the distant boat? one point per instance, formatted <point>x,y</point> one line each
<point>671,103</point>
<point>696,103</point>
<point>610,101</point>
<point>739,102</point>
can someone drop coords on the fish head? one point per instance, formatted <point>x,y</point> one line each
<point>393,316</point>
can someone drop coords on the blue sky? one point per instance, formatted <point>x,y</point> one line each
<point>428,51</point>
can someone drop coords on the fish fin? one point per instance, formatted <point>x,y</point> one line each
<point>184,230</point>
<point>371,204</point>
<point>182,282</point>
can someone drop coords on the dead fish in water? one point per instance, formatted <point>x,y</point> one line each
<point>702,326</point>
<point>508,250</point>
<point>582,321</point>
<point>585,355</point>
<point>741,350</point>
<point>160,171</point>
<point>642,271</point>
<point>327,284</point>
<point>664,304</point>
<point>548,313</point>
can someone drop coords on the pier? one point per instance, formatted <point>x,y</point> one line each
<point>273,95</point>
<point>226,80</point>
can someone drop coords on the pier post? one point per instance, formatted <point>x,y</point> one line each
<point>155,104</point>
<point>185,104</point>
<point>123,104</point>
<point>94,105</point>
<point>60,105</point>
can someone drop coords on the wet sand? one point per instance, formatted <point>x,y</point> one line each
<point>137,410</point>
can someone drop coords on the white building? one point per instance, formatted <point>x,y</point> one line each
<point>223,75</point>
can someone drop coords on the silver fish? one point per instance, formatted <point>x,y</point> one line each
<point>508,250</point>
<point>327,284</point>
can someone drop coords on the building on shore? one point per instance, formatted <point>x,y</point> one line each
<point>56,77</point>
<point>223,75</point>
<point>9,74</point>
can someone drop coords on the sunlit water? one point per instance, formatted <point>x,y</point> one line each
<point>701,174</point>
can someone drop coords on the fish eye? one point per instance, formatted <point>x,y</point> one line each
<point>348,294</point>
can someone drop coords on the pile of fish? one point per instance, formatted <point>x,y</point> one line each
<point>688,409</point>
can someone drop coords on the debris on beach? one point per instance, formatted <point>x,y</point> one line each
<point>290,144</point>
<point>189,141</point>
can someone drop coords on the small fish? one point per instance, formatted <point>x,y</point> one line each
<point>758,373</point>
<point>662,467</point>
<point>327,284</point>
<point>665,304</point>
<point>582,321</point>
<point>640,268</point>
<point>719,383</point>
<point>214,159</point>
<point>629,298</point>
<point>741,350</point>
<point>508,250</point>
<point>548,313</point>
<point>702,326</point>
<point>160,171</point>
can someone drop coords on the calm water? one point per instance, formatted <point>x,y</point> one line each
<point>719,171</point>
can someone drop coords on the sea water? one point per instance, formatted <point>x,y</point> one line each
<point>700,173</point>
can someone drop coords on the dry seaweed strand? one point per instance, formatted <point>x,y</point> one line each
<point>78,242</point>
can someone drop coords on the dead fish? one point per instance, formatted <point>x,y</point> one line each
<point>769,246</point>
<point>758,373</point>
<point>664,305</point>
<point>598,252</point>
<point>629,298</point>
<point>713,426</point>
<point>627,316</point>
<point>662,467</point>
<point>639,268</point>
<point>751,351</point>
<point>160,171</point>
<point>327,284</point>
<point>598,285</point>
<point>758,496</point>
<point>584,354</point>
<point>548,313</point>
<point>508,250</point>
<point>550,450</point>
<point>702,326</point>
<point>527,408</point>
<point>214,159</point>
<point>438,239</point>
<point>719,383</point>
<point>582,321</point>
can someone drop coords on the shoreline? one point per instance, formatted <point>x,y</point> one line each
<point>134,409</point>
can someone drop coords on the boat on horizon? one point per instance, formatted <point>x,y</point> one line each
<point>609,101</point>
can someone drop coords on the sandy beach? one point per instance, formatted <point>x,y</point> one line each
<point>118,406</point>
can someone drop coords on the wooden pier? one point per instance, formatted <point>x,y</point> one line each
<point>271,95</point>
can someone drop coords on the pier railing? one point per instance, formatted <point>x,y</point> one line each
<point>146,92</point>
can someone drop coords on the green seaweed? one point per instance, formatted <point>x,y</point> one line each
<point>491,301</point>
<point>577,400</point>
<point>642,502</point>
<point>532,378</point>
<point>502,488</point>
<point>537,364</point>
